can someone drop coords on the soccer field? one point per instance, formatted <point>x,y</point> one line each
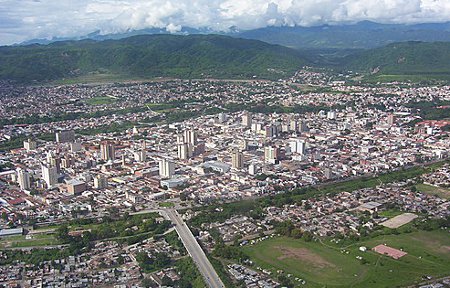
<point>327,265</point>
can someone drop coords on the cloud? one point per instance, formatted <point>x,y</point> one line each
<point>26,19</point>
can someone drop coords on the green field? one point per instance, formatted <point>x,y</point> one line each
<point>324,265</point>
<point>100,100</point>
<point>166,204</point>
<point>21,241</point>
<point>431,190</point>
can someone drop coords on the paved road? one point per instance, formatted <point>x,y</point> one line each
<point>195,251</point>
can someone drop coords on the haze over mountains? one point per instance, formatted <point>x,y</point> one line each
<point>361,35</point>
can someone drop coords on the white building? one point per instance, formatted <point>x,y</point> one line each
<point>166,168</point>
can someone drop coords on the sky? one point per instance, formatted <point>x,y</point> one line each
<point>22,20</point>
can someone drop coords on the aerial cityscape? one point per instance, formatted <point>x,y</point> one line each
<point>284,151</point>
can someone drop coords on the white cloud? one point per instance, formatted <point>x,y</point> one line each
<point>26,19</point>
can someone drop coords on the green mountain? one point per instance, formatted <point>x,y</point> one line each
<point>150,56</point>
<point>362,35</point>
<point>407,58</point>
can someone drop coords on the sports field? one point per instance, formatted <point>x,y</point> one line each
<point>327,265</point>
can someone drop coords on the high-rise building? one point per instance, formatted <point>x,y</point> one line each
<point>391,119</point>
<point>244,144</point>
<point>100,181</point>
<point>166,168</point>
<point>247,119</point>
<point>107,151</point>
<point>49,174</point>
<point>271,154</point>
<point>293,125</point>
<point>75,147</point>
<point>222,117</point>
<point>23,178</point>
<point>190,136</point>
<point>29,144</point>
<point>298,146</point>
<point>54,161</point>
<point>140,156</point>
<point>303,126</point>
<point>252,169</point>
<point>237,159</point>
<point>331,115</point>
<point>65,136</point>
<point>184,151</point>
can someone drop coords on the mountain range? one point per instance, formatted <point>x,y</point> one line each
<point>361,35</point>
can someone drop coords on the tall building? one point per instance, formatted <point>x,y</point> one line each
<point>49,174</point>
<point>140,156</point>
<point>391,119</point>
<point>75,147</point>
<point>190,137</point>
<point>298,146</point>
<point>302,126</point>
<point>293,125</point>
<point>253,169</point>
<point>166,168</point>
<point>100,181</point>
<point>29,144</point>
<point>222,117</point>
<point>107,151</point>
<point>65,136</point>
<point>23,178</point>
<point>54,161</point>
<point>237,159</point>
<point>247,119</point>
<point>271,154</point>
<point>184,151</point>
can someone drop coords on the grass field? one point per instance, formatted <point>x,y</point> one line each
<point>100,100</point>
<point>166,204</point>
<point>324,265</point>
<point>431,190</point>
<point>21,241</point>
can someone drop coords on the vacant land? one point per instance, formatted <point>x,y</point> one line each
<point>432,190</point>
<point>100,100</point>
<point>325,264</point>
<point>399,220</point>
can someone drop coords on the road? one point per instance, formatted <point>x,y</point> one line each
<point>195,251</point>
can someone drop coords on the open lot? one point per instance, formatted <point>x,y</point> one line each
<point>432,190</point>
<point>327,264</point>
<point>399,220</point>
<point>100,100</point>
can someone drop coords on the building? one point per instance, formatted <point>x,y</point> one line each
<point>237,159</point>
<point>107,151</point>
<point>75,147</point>
<point>173,182</point>
<point>140,156</point>
<point>185,151</point>
<point>391,119</point>
<point>100,182</point>
<point>23,178</point>
<point>190,137</point>
<point>75,186</point>
<point>222,117</point>
<point>50,175</point>
<point>216,166</point>
<point>271,154</point>
<point>166,168</point>
<point>247,119</point>
<point>29,144</point>
<point>298,146</point>
<point>65,136</point>
<point>253,169</point>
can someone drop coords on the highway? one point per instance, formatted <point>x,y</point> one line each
<point>195,251</point>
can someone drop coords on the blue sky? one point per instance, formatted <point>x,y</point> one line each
<point>27,19</point>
